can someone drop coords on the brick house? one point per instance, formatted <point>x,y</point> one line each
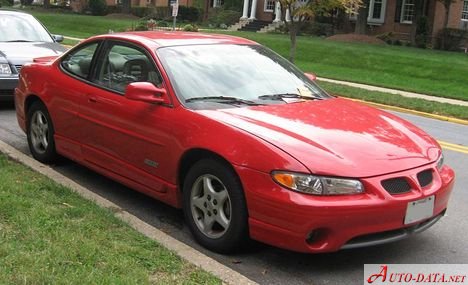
<point>384,15</point>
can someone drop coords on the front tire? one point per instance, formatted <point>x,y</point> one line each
<point>214,206</point>
<point>40,133</point>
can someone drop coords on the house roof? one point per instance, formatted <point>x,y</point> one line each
<point>165,38</point>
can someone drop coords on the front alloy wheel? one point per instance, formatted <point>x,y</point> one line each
<point>214,206</point>
<point>211,206</point>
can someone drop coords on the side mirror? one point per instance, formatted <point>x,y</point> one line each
<point>145,92</point>
<point>58,38</point>
<point>311,76</point>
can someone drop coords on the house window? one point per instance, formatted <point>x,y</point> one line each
<point>270,5</point>
<point>218,3</point>
<point>407,11</point>
<point>377,11</point>
<point>465,11</point>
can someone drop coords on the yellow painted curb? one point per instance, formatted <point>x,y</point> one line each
<point>409,111</point>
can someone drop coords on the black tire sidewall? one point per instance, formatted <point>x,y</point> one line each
<point>237,233</point>
<point>50,155</point>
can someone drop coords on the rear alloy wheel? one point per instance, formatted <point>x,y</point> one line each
<point>214,206</point>
<point>40,133</point>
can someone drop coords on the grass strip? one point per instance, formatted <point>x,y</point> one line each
<point>444,109</point>
<point>50,235</point>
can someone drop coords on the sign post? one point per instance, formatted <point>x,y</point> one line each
<point>175,11</point>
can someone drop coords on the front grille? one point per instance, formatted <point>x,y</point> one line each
<point>397,185</point>
<point>18,68</point>
<point>425,177</point>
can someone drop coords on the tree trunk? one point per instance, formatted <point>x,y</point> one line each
<point>361,22</point>
<point>46,4</point>
<point>293,37</point>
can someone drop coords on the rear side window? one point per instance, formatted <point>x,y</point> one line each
<point>79,61</point>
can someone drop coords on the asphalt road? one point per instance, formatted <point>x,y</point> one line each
<point>445,242</point>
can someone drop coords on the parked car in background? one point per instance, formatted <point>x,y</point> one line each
<point>22,38</point>
<point>237,136</point>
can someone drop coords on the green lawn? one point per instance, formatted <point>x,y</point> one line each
<point>81,26</point>
<point>50,235</point>
<point>431,72</point>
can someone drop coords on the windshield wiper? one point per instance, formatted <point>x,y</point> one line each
<point>223,99</point>
<point>281,96</point>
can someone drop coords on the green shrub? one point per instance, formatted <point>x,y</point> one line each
<point>141,11</point>
<point>162,24</point>
<point>190,28</point>
<point>422,33</point>
<point>190,14</point>
<point>4,3</point>
<point>220,16</point>
<point>97,7</point>
<point>451,39</point>
<point>158,13</point>
<point>141,26</point>
<point>317,29</point>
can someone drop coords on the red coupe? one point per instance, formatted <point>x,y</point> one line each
<point>243,141</point>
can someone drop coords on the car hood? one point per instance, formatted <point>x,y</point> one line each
<point>20,53</point>
<point>336,137</point>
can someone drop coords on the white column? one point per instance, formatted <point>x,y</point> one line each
<point>288,16</point>
<point>245,11</point>
<point>278,12</point>
<point>214,3</point>
<point>253,10</point>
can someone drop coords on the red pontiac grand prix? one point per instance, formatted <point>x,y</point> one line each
<point>242,140</point>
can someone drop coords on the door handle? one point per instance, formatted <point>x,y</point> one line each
<point>92,99</point>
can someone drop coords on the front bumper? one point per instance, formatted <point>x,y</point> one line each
<point>307,223</point>
<point>7,87</point>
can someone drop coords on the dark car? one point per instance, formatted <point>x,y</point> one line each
<point>22,38</point>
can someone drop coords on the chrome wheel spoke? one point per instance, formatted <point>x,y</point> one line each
<point>222,220</point>
<point>208,223</point>
<point>198,202</point>
<point>208,186</point>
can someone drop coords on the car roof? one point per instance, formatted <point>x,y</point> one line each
<point>170,38</point>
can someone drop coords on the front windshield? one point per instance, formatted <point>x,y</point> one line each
<point>22,28</point>
<point>247,72</point>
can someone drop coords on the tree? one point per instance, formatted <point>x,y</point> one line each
<point>301,12</point>
<point>361,21</point>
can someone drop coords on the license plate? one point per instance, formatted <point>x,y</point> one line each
<point>419,210</point>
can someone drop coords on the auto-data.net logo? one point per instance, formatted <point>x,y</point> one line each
<point>420,274</point>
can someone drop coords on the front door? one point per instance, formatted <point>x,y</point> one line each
<point>124,137</point>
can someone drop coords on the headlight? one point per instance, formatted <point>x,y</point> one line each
<point>5,68</point>
<point>440,162</point>
<point>317,185</point>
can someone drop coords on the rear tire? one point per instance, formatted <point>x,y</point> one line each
<point>40,133</point>
<point>214,206</point>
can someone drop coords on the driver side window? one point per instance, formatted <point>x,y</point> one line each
<point>122,65</point>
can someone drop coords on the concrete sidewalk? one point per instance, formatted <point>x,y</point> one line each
<point>379,89</point>
<point>397,92</point>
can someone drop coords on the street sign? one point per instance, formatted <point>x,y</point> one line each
<point>175,9</point>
